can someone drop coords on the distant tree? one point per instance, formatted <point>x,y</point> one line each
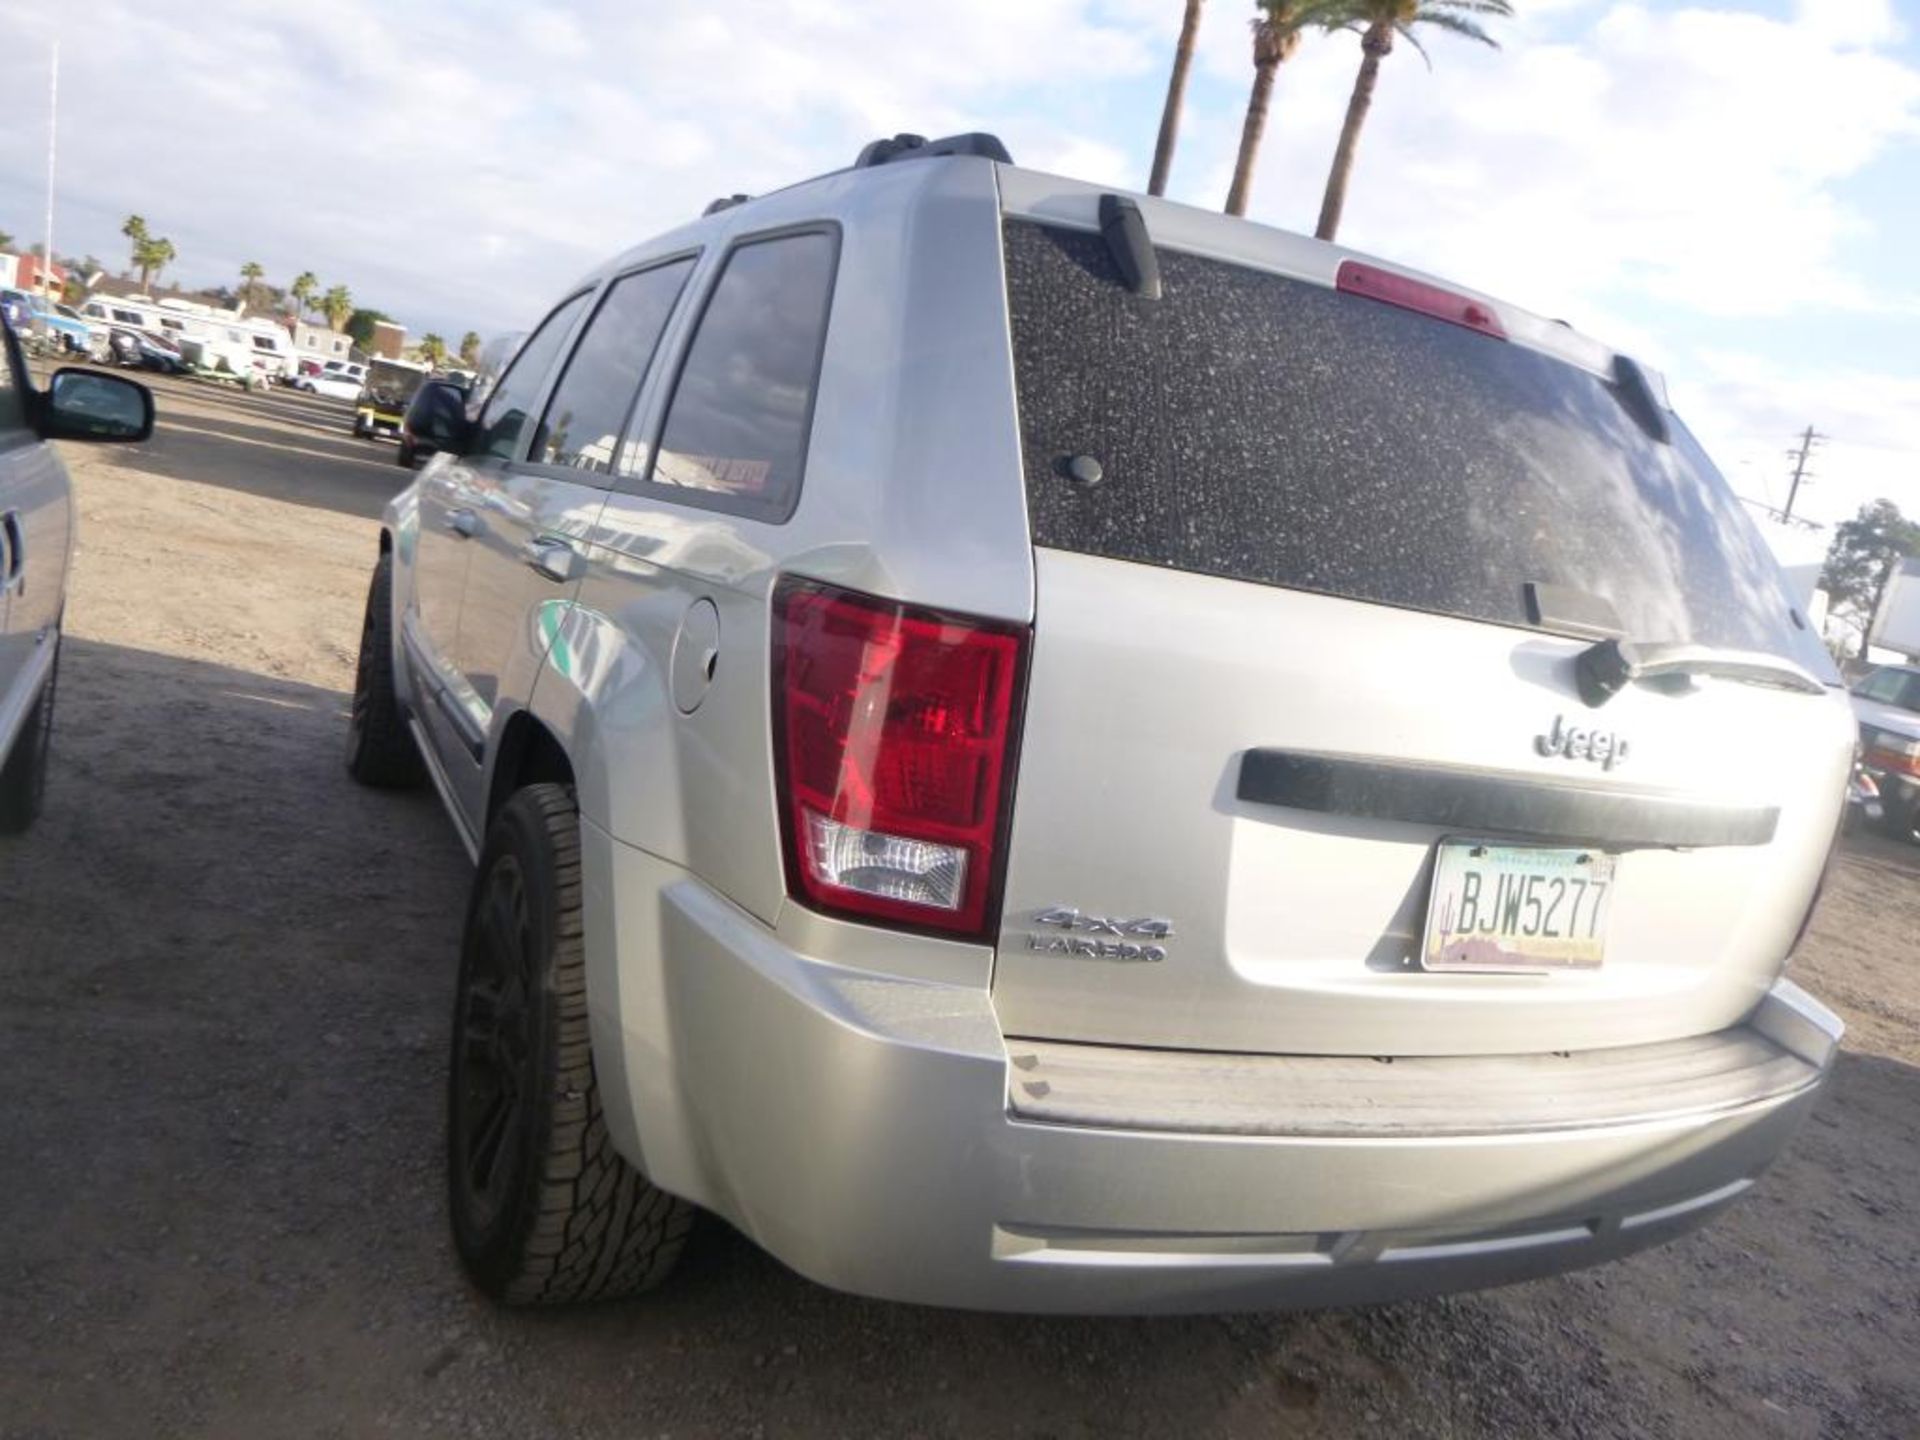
<point>135,229</point>
<point>470,350</point>
<point>73,289</point>
<point>1864,551</point>
<point>305,286</point>
<point>337,305</point>
<point>360,326</point>
<point>433,350</point>
<point>1378,21</point>
<point>250,274</point>
<point>6,241</point>
<point>151,255</point>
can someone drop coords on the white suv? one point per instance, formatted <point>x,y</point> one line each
<point>1043,749</point>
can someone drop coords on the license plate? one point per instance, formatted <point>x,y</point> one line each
<point>1506,908</point>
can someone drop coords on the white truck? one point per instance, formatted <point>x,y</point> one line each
<point>1896,622</point>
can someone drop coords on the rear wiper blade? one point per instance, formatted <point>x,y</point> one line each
<point>1604,670</point>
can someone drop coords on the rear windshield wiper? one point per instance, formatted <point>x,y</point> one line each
<point>1604,670</point>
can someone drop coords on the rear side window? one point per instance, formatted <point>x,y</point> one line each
<point>505,414</point>
<point>735,436</point>
<point>1267,429</point>
<point>597,389</point>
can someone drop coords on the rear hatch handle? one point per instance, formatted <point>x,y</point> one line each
<point>1604,670</point>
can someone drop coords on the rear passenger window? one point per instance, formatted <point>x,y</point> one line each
<point>505,414</point>
<point>590,404</point>
<point>736,428</point>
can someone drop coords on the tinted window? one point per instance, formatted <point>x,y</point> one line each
<point>736,429</point>
<point>1267,429</point>
<point>590,404</point>
<point>1894,687</point>
<point>506,410</point>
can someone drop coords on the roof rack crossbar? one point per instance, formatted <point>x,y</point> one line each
<point>918,147</point>
<point>725,202</point>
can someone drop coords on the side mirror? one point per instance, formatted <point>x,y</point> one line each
<point>87,405</point>
<point>437,418</point>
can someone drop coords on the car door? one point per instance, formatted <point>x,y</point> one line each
<point>545,496</point>
<point>673,613</point>
<point>464,511</point>
<point>35,538</point>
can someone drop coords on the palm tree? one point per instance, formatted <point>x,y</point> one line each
<point>151,255</point>
<point>433,350</point>
<point>6,241</point>
<point>135,229</point>
<point>1378,21</point>
<point>1276,35</point>
<point>470,350</point>
<point>305,286</point>
<point>250,274</point>
<point>1176,98</point>
<point>337,306</point>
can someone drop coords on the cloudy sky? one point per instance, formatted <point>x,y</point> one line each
<point>1731,190</point>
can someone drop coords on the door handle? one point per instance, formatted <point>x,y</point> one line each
<point>463,522</point>
<point>553,557</point>
<point>13,554</point>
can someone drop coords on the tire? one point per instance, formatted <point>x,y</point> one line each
<point>23,777</point>
<point>360,430</point>
<point>405,457</point>
<point>380,748</point>
<point>544,1211</point>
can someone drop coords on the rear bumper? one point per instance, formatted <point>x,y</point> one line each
<point>859,1128</point>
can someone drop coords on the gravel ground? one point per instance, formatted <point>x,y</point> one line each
<point>227,972</point>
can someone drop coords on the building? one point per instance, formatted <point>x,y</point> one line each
<point>389,339</point>
<point>317,342</point>
<point>32,274</point>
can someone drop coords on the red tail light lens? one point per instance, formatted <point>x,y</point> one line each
<point>894,737</point>
<point>1416,295</point>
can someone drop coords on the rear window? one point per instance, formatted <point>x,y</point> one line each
<point>1261,428</point>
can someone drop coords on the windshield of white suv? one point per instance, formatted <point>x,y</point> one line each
<point>1262,428</point>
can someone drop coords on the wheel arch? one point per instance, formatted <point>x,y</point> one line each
<point>529,753</point>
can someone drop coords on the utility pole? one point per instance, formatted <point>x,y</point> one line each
<point>1808,439</point>
<point>53,118</point>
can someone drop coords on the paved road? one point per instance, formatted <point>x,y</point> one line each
<point>226,975</point>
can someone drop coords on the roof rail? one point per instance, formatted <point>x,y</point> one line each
<point>918,147</point>
<point>725,202</point>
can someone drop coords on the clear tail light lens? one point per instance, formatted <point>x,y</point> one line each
<point>894,736</point>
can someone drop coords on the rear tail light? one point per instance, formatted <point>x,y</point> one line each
<point>1418,296</point>
<point>894,731</point>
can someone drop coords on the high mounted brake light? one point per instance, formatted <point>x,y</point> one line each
<point>1356,278</point>
<point>894,730</point>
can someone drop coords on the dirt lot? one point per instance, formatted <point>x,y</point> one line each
<point>226,975</point>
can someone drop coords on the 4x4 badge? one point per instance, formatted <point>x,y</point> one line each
<point>1577,742</point>
<point>1084,935</point>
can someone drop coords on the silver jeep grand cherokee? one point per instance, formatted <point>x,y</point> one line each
<point>1046,750</point>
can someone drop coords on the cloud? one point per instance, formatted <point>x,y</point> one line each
<point>461,164</point>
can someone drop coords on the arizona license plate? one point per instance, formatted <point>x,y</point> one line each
<point>1507,908</point>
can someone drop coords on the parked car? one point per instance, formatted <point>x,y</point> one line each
<point>1887,706</point>
<point>140,351</point>
<point>54,325</point>
<point>1043,749</point>
<point>335,386</point>
<point>36,547</point>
